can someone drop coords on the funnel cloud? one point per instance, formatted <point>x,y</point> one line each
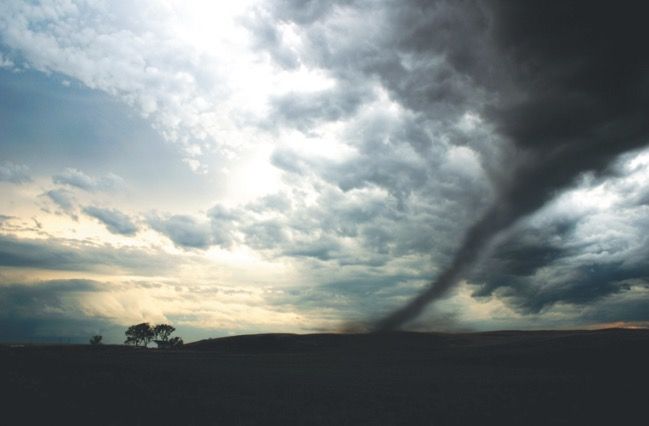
<point>573,95</point>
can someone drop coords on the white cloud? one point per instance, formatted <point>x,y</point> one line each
<point>6,62</point>
<point>188,66</point>
<point>76,178</point>
<point>14,173</point>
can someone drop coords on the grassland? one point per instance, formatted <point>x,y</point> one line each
<point>522,378</point>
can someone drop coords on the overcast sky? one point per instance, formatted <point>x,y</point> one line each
<point>303,166</point>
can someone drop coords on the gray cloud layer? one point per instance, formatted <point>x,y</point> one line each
<point>77,256</point>
<point>46,312</point>
<point>116,221</point>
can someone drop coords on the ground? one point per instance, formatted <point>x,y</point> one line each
<point>521,378</point>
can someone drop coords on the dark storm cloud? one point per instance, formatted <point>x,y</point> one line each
<point>57,329</point>
<point>40,297</point>
<point>582,96</point>
<point>351,297</point>
<point>365,44</point>
<point>116,221</point>
<point>565,84</point>
<point>44,312</point>
<point>413,48</point>
<point>537,267</point>
<point>386,48</point>
<point>628,305</point>
<point>68,256</point>
<point>14,173</point>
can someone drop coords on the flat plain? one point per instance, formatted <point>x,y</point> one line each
<point>506,377</point>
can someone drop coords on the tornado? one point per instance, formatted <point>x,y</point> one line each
<point>571,95</point>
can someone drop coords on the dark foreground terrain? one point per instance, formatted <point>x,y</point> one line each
<point>521,378</point>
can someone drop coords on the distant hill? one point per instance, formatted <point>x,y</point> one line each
<point>406,341</point>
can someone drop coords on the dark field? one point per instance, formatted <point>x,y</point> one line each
<point>521,378</point>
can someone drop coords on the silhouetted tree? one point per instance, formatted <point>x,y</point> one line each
<point>140,333</point>
<point>162,332</point>
<point>95,340</point>
<point>175,342</point>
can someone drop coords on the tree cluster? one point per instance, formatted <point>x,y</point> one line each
<point>142,334</point>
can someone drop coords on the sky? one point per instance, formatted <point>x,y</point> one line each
<point>309,166</point>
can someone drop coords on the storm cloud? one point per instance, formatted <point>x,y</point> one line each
<point>580,93</point>
<point>330,158</point>
<point>563,85</point>
<point>60,255</point>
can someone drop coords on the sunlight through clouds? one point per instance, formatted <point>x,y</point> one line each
<point>281,165</point>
